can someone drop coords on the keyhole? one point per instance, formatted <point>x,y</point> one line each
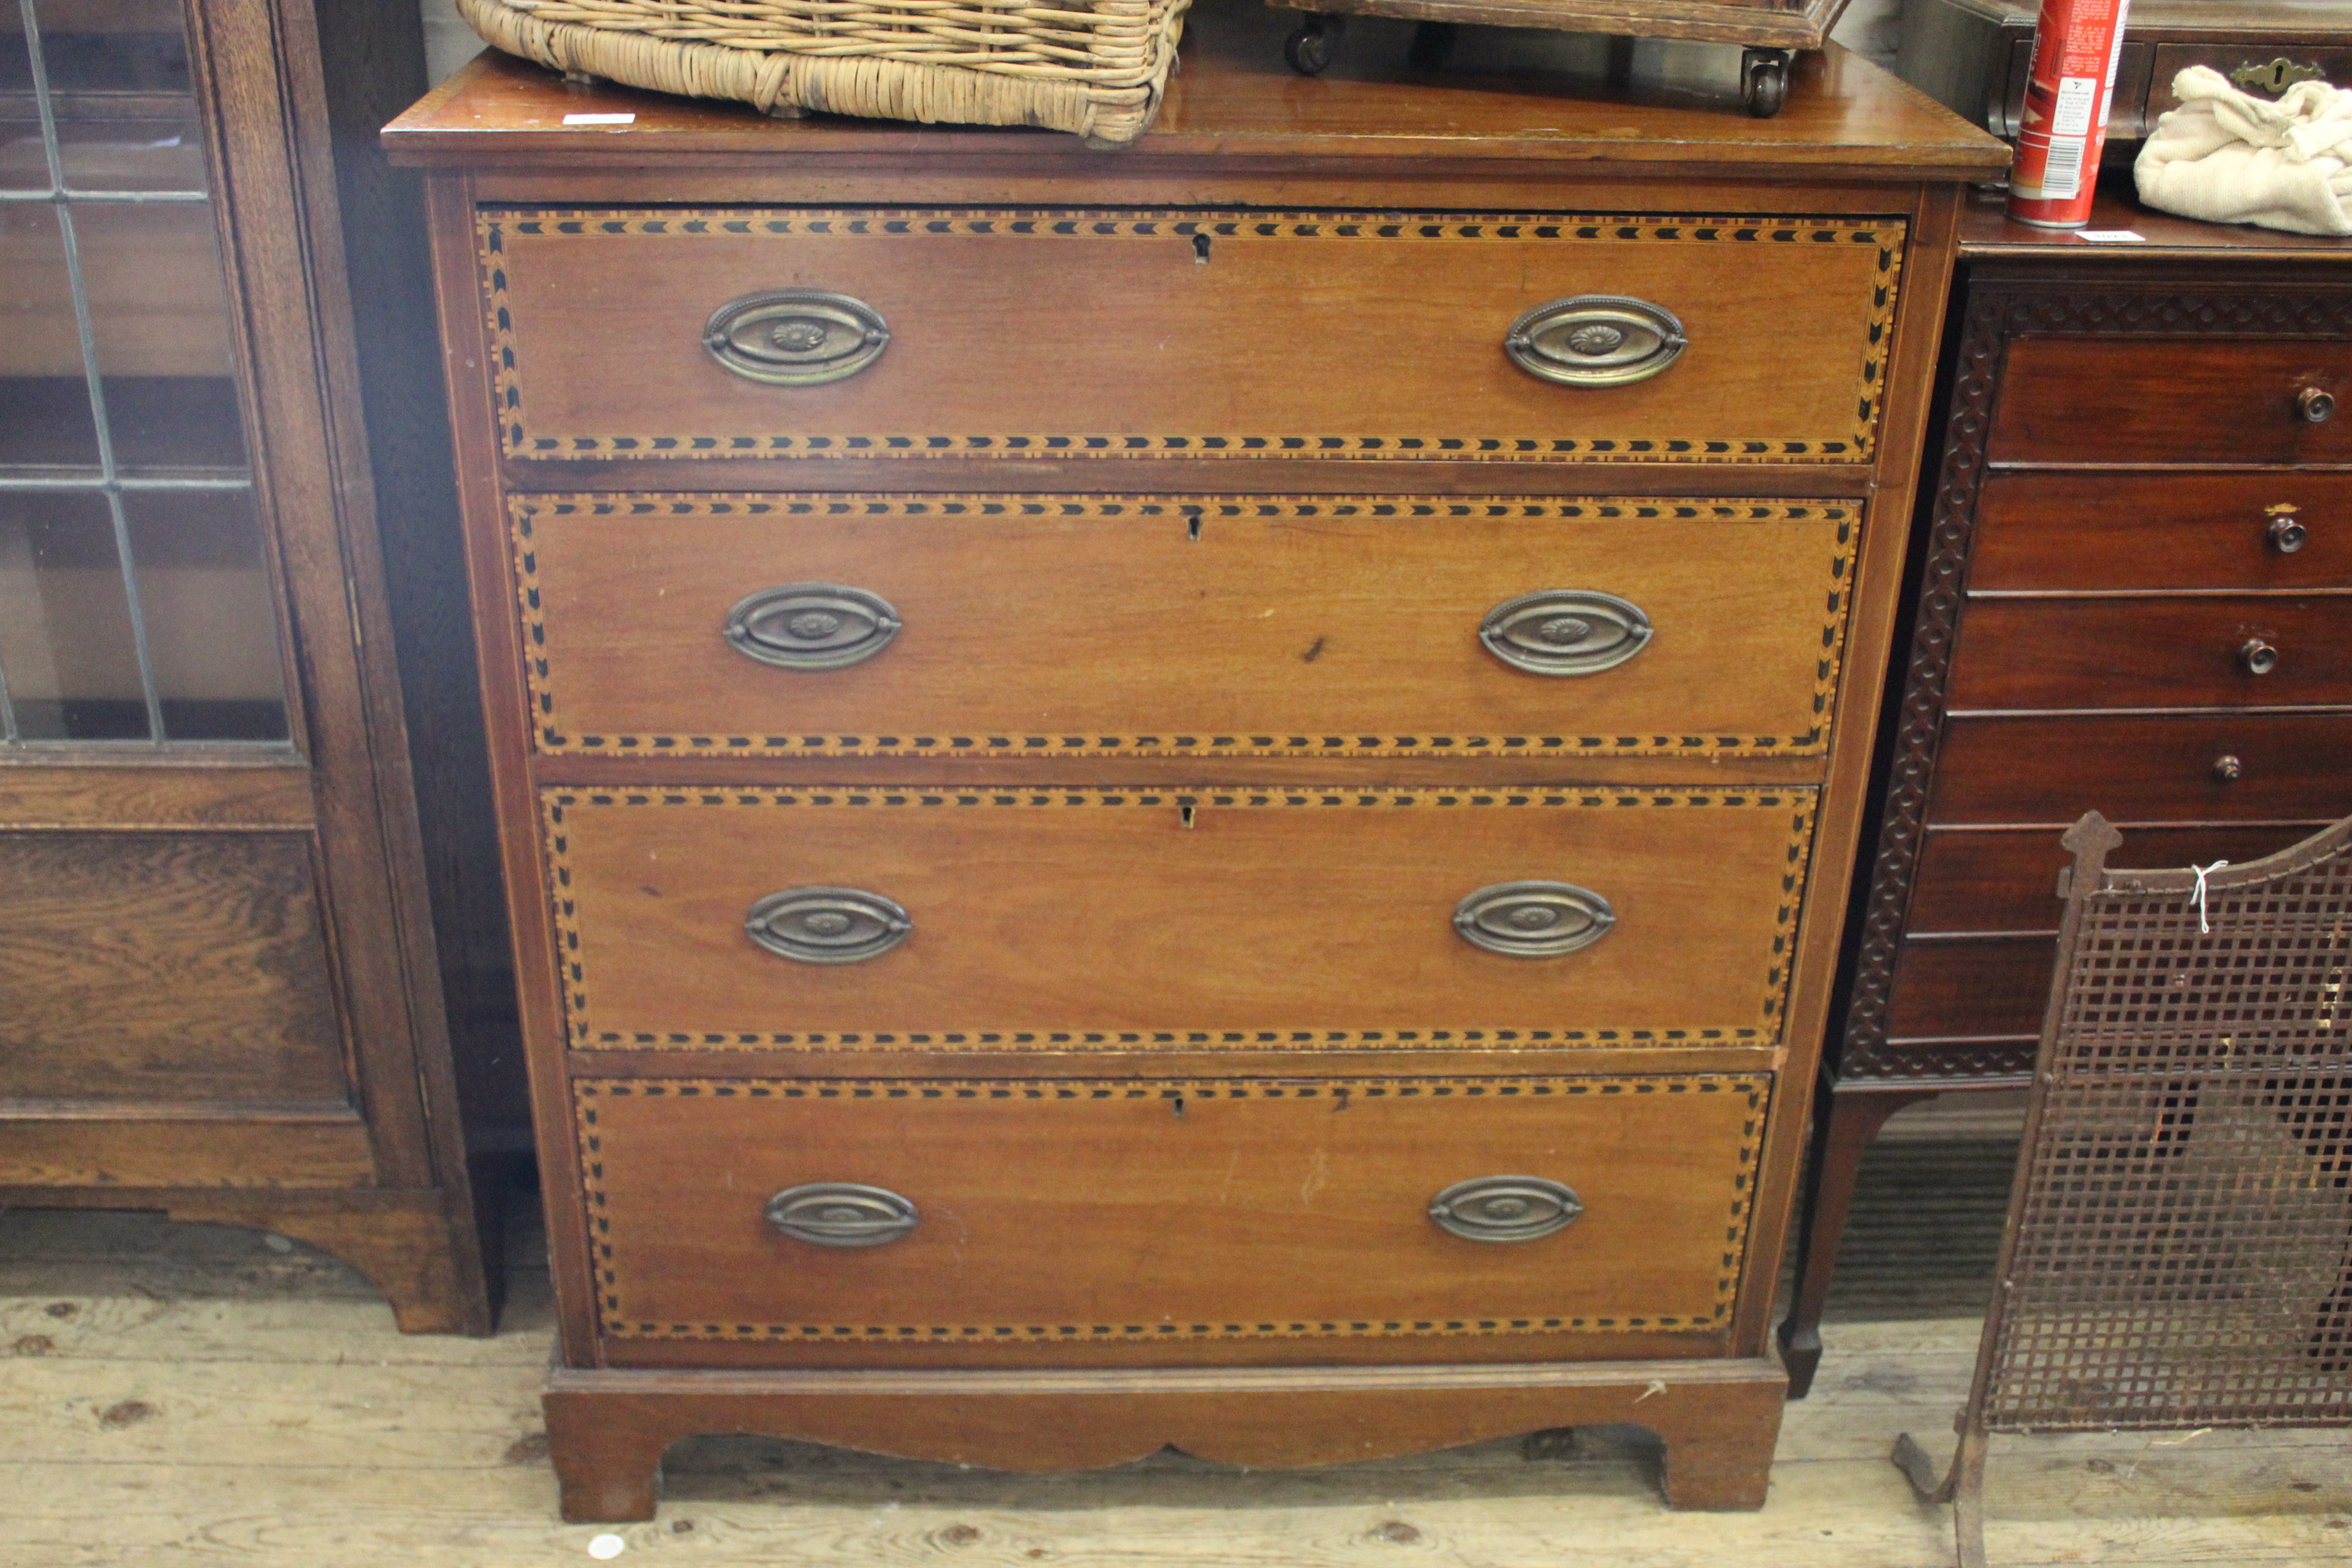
<point>1200,250</point>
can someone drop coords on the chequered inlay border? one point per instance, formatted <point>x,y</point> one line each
<point>553,738</point>
<point>557,803</point>
<point>1884,236</point>
<point>1756,1087</point>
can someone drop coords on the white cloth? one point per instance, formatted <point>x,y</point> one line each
<point>2228,156</point>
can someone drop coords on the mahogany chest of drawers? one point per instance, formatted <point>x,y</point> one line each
<point>1193,798</point>
<point>2133,597</point>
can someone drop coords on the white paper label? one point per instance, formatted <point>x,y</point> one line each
<point>600,120</point>
<point>2111,237</point>
<point>2078,99</point>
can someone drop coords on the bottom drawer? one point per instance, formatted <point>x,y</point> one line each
<point>1074,1222</point>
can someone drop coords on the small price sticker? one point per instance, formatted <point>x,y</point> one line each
<point>2110,237</point>
<point>600,120</point>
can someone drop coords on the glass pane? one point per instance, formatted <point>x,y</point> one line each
<point>15,61</point>
<point>65,644</point>
<point>156,151</point>
<point>23,166</point>
<point>44,400</point>
<point>113,45</point>
<point>160,318</point>
<point>212,634</point>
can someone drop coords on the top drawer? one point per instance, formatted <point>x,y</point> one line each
<point>1102,333</point>
<point>2164,400</point>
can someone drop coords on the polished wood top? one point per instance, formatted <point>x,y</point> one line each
<point>1233,98</point>
<point>2165,21</point>
<point>1987,233</point>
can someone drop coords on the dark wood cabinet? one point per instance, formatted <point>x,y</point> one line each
<point>2133,595</point>
<point>220,993</point>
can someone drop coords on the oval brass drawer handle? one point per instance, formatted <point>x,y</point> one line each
<point>827,925</point>
<point>1533,920</point>
<point>1565,631</point>
<point>842,1213</point>
<point>1595,340</point>
<point>1505,1208</point>
<point>811,625</point>
<point>795,337</point>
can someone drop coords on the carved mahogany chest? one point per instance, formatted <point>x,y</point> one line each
<point>1193,798</point>
<point>2131,598</point>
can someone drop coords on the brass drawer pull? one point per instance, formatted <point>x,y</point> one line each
<point>796,337</point>
<point>811,625</point>
<point>1533,920</point>
<point>2316,406</point>
<point>2259,657</point>
<point>2228,769</point>
<point>1565,631</point>
<point>2286,535</point>
<point>1504,1208</point>
<point>842,1213</point>
<point>1595,340</point>
<point>827,925</point>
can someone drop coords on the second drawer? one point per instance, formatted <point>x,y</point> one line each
<point>1036,917</point>
<point>974,625</point>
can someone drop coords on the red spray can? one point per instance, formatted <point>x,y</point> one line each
<point>2065,125</point>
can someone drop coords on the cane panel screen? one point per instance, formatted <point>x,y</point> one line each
<point>2182,1250</point>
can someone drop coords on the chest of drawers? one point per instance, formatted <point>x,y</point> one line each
<point>2133,597</point>
<point>1128,823</point>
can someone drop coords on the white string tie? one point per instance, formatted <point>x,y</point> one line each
<point>2204,926</point>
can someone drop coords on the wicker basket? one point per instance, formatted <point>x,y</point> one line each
<point>1093,66</point>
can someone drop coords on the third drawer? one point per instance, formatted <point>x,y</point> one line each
<point>2201,650</point>
<point>1167,918</point>
<point>2153,767</point>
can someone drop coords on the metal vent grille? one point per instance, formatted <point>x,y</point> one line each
<point>2181,1252</point>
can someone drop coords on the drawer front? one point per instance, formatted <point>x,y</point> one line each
<point>2215,650</point>
<point>1075,1220</point>
<point>2321,58</point>
<point>2052,533</point>
<point>1063,626</point>
<point>2164,400</point>
<point>1972,990</point>
<point>1978,880</point>
<point>1121,334</point>
<point>1183,918</point>
<point>2173,767</point>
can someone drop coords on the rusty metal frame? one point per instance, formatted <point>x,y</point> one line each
<point>2178,1251</point>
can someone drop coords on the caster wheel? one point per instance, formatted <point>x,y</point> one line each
<point>1312,48</point>
<point>1764,81</point>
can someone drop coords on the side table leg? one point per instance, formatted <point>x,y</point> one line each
<point>1844,1125</point>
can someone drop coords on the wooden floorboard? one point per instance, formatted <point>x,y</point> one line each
<point>185,1397</point>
